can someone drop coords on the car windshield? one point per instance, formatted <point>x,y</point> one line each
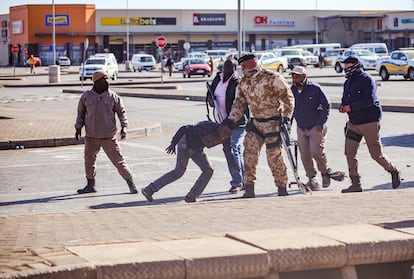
<point>197,61</point>
<point>307,53</point>
<point>95,62</point>
<point>364,53</point>
<point>380,50</point>
<point>291,52</point>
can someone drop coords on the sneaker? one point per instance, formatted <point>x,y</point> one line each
<point>395,178</point>
<point>234,189</point>
<point>147,194</point>
<point>326,180</point>
<point>189,199</point>
<point>281,191</point>
<point>352,189</point>
<point>86,190</point>
<point>313,184</point>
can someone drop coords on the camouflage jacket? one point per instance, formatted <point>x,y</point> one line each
<point>266,94</point>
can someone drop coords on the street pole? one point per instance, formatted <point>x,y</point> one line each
<point>53,32</point>
<point>239,31</point>
<point>316,23</point>
<point>54,70</point>
<point>127,63</point>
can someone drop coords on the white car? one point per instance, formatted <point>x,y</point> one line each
<point>311,59</point>
<point>94,64</point>
<point>367,59</point>
<point>143,62</point>
<point>63,61</point>
<point>269,61</point>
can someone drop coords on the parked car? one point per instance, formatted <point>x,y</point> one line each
<point>64,61</point>
<point>94,64</point>
<point>400,62</point>
<point>269,61</point>
<point>367,59</point>
<point>331,54</point>
<point>143,62</point>
<point>294,56</point>
<point>196,66</point>
<point>311,59</point>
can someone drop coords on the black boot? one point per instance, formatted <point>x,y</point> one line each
<point>281,191</point>
<point>131,185</point>
<point>395,179</point>
<point>89,188</point>
<point>249,192</point>
<point>355,186</point>
<point>147,192</point>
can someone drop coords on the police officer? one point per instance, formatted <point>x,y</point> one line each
<point>270,100</point>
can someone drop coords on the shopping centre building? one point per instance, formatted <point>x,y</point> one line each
<point>28,29</point>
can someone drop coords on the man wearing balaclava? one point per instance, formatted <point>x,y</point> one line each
<point>96,111</point>
<point>360,101</point>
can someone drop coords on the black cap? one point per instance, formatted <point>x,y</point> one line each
<point>246,57</point>
<point>351,60</point>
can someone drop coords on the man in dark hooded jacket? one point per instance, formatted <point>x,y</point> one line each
<point>191,140</point>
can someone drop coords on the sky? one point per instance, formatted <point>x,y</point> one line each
<point>339,5</point>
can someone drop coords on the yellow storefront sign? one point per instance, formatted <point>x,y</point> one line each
<point>116,21</point>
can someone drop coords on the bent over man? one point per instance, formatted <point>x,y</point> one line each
<point>96,111</point>
<point>270,100</point>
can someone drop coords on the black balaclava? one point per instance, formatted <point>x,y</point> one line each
<point>101,86</point>
<point>353,70</point>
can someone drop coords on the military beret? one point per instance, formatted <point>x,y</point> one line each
<point>351,60</point>
<point>246,57</point>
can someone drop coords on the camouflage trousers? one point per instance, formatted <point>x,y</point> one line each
<point>253,144</point>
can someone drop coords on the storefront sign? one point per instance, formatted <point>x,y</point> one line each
<point>116,21</point>
<point>209,19</point>
<point>17,27</point>
<point>265,21</point>
<point>407,20</point>
<point>60,20</point>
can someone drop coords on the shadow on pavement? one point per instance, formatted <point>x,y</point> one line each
<point>399,224</point>
<point>387,186</point>
<point>56,198</point>
<point>402,141</point>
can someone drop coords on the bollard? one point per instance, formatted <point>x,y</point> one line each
<point>54,74</point>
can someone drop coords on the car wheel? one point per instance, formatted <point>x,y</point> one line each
<point>411,73</point>
<point>384,73</point>
<point>338,68</point>
<point>115,76</point>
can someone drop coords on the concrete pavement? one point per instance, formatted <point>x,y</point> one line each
<point>365,235</point>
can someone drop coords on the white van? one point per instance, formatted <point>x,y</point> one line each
<point>380,49</point>
<point>143,62</point>
<point>109,55</point>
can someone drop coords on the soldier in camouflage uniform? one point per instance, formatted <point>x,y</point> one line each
<point>270,100</point>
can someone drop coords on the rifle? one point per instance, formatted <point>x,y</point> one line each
<point>293,159</point>
<point>219,115</point>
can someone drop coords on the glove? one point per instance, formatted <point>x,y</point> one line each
<point>78,133</point>
<point>123,133</point>
<point>170,149</point>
